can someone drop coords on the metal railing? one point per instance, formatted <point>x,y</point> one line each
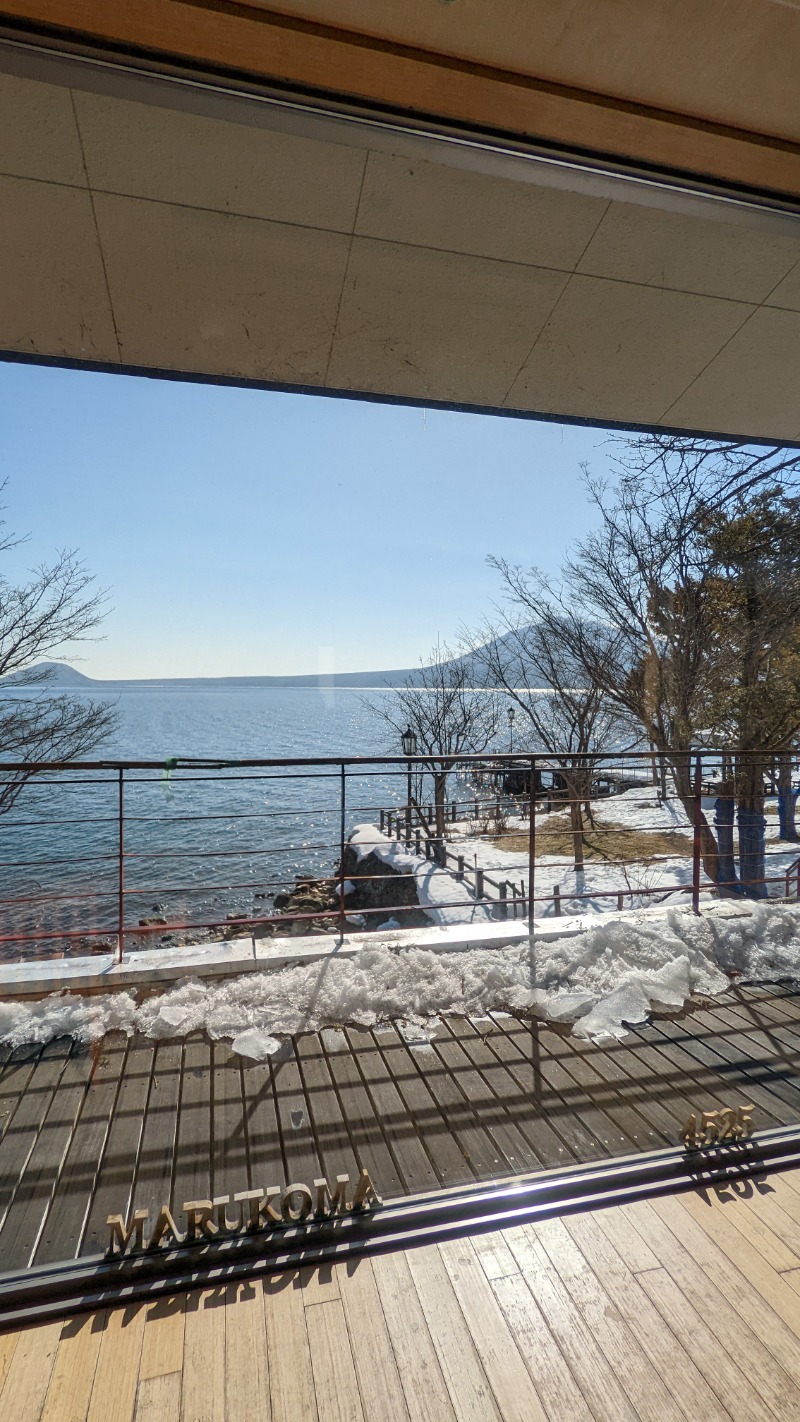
<point>117,854</point>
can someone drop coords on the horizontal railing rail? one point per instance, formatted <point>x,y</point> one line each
<point>118,853</point>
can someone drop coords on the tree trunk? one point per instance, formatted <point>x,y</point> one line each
<point>787,799</point>
<point>709,852</point>
<point>723,822</point>
<point>576,791</point>
<point>752,824</point>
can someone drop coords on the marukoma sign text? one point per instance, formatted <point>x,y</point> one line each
<point>248,1212</point>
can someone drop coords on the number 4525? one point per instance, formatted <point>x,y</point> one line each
<point>714,1126</point>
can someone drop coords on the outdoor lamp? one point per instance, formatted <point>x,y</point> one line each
<point>409,740</point>
<point>511,714</point>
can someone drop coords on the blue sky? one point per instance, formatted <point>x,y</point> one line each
<point>246,532</point>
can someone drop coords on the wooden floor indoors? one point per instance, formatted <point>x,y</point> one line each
<point>687,1307</point>
<point>85,1133</point>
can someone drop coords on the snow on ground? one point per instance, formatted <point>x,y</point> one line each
<point>658,882</point>
<point>443,898</point>
<point>611,974</point>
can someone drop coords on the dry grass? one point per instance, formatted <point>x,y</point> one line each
<point>603,843</point>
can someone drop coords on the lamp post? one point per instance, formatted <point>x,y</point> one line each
<point>409,740</point>
<point>511,714</point>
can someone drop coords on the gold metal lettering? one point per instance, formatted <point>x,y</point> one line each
<point>121,1233</point>
<point>295,1203</point>
<point>199,1218</point>
<point>365,1193</point>
<point>714,1127</point>
<point>296,1212</point>
<point>332,1204</point>
<point>165,1224</point>
<point>252,1199</point>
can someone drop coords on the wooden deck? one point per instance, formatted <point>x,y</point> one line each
<point>682,1308</point>
<point>87,1133</point>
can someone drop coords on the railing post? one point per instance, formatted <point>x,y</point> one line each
<point>502,888</point>
<point>121,866</point>
<point>532,845</point>
<point>342,831</point>
<point>556,901</point>
<point>460,869</point>
<point>479,884</point>
<point>696,846</point>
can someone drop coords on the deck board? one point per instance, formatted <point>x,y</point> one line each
<point>658,1311</point>
<point>139,1123</point>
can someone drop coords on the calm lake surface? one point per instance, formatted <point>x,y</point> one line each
<point>199,843</point>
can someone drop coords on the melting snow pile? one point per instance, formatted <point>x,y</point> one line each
<point>612,974</point>
<point>440,894</point>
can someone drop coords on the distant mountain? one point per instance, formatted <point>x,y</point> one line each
<point>60,675</point>
<point>64,676</point>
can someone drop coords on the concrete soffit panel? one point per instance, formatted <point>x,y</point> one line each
<point>170,225</point>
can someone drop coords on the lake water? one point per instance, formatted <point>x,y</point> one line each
<point>198,843</point>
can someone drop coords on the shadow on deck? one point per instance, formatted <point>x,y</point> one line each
<point>88,1132</point>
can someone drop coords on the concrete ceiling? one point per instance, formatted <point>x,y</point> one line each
<point>137,234</point>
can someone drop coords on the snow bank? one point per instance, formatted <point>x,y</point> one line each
<point>612,974</point>
<point>439,893</point>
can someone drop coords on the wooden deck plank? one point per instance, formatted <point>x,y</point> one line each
<point>115,1182</point>
<point>715,1293</point>
<point>552,1378</point>
<point>159,1399</point>
<point>193,1144</point>
<point>593,1375</point>
<point>20,1138</point>
<point>421,1377</point>
<point>666,1352</point>
<point>335,1381</point>
<point>735,1065</point>
<point>297,1136</point>
<point>514,1393</point>
<point>328,1123</point>
<point>514,1154</point>
<point>229,1172</point>
<point>63,1226</point>
<point>369,1142</point>
<point>27,1213</point>
<point>266,1165</point>
<point>28,1377</point>
<point>117,1372</point>
<point>725,1370</point>
<point>700,1260</point>
<point>544,1147</point>
<point>423,1111</point>
<point>291,1380</point>
<point>159,1131</point>
<point>163,1341</point>
<point>246,1367</point>
<point>14,1078</point>
<point>203,1393</point>
<point>655,1310</point>
<point>469,1388</point>
<point>72,1380</point>
<point>399,1127</point>
<point>371,1343</point>
<point>620,1344</point>
<point>520,1049</point>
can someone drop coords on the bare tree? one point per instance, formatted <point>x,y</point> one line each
<point>58,605</point>
<point>528,654</point>
<point>448,716</point>
<point>646,585</point>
